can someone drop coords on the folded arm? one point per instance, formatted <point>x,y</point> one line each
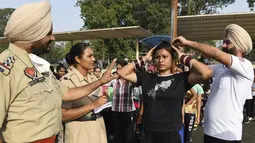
<point>127,73</point>
<point>199,72</point>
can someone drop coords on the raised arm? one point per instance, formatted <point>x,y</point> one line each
<point>199,71</point>
<point>207,50</point>
<point>82,91</point>
<point>127,72</point>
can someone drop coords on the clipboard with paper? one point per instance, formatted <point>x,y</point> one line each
<point>109,91</point>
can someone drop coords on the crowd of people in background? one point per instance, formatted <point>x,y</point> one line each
<point>158,98</point>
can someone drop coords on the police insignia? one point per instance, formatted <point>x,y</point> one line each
<point>7,64</point>
<point>4,65</point>
<point>32,73</point>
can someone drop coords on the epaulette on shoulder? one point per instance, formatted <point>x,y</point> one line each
<point>93,77</point>
<point>65,78</point>
<point>6,63</point>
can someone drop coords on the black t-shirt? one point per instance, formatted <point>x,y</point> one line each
<point>163,100</point>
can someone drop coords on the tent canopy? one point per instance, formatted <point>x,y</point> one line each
<point>107,33</point>
<point>194,27</point>
<point>211,27</point>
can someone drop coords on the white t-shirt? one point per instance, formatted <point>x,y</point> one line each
<point>224,108</point>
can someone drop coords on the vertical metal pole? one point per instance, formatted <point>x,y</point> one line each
<point>173,29</point>
<point>103,49</point>
<point>137,48</point>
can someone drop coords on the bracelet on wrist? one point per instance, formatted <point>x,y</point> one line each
<point>139,63</point>
<point>186,60</point>
<point>182,58</point>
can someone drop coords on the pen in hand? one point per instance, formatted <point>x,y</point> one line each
<point>95,96</point>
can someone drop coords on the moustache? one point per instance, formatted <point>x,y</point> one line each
<point>50,42</point>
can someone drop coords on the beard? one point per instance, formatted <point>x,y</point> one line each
<point>225,50</point>
<point>42,49</point>
<point>229,51</point>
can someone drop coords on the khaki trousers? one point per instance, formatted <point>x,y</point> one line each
<point>86,132</point>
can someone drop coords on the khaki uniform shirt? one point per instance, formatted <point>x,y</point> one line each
<point>75,79</point>
<point>86,131</point>
<point>30,110</point>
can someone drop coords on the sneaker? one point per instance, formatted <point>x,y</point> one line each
<point>195,127</point>
<point>250,118</point>
<point>247,120</point>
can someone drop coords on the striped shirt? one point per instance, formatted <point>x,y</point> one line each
<point>123,100</point>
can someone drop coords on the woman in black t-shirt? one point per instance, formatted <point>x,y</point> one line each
<point>163,92</point>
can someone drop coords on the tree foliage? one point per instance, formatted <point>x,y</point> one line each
<point>153,15</point>
<point>251,4</point>
<point>4,16</point>
<point>196,7</point>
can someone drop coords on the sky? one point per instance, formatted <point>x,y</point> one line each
<point>66,17</point>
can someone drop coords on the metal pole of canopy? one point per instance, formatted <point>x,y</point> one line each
<point>103,50</point>
<point>137,48</point>
<point>173,29</point>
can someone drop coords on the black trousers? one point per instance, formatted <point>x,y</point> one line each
<point>161,137</point>
<point>189,121</point>
<point>124,127</point>
<point>209,139</point>
<point>107,114</point>
<point>249,107</point>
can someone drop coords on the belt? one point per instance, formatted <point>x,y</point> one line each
<point>47,140</point>
<point>90,117</point>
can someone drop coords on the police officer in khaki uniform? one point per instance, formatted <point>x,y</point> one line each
<point>30,99</point>
<point>82,126</point>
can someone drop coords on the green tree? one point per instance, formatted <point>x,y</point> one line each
<point>5,14</point>
<point>196,7</point>
<point>153,15</point>
<point>251,4</point>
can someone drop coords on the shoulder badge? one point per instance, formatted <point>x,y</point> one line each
<point>32,73</point>
<point>6,65</point>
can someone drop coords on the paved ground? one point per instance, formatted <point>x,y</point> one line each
<point>248,134</point>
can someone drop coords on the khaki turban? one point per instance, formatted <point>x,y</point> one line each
<point>239,38</point>
<point>29,23</point>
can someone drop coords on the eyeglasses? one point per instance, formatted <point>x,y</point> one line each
<point>227,42</point>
